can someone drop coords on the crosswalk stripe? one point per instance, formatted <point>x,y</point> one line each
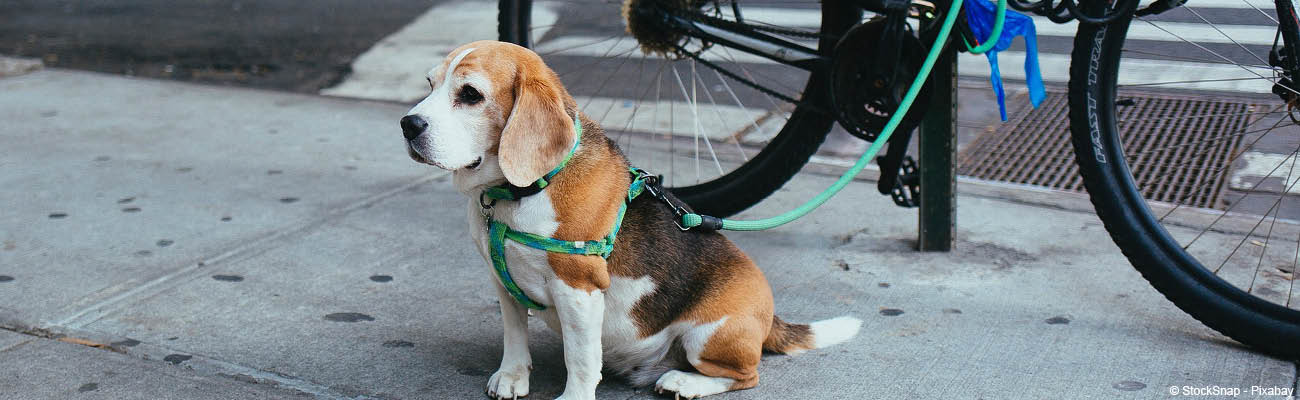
<point>594,46</point>
<point>811,18</point>
<point>394,68</point>
<point>717,123</point>
<point>1255,166</point>
<point>1055,67</point>
<point>1196,32</point>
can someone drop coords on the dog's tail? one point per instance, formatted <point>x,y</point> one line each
<point>788,338</point>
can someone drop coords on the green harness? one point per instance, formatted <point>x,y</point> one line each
<point>687,220</point>
<point>498,232</point>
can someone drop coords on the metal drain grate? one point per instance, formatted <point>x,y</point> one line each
<point>1175,158</point>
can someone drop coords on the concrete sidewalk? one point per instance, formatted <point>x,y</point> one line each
<point>166,240</point>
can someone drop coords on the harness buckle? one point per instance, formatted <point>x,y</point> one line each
<point>484,202</point>
<point>486,205</point>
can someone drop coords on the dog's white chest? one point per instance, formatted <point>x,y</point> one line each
<point>528,267</point>
<point>623,346</point>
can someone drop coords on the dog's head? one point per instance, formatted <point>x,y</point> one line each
<point>495,111</point>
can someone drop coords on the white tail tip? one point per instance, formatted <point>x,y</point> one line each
<point>834,331</point>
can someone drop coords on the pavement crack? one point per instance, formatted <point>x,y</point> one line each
<point>31,331</point>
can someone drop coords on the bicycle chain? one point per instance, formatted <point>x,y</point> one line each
<point>700,17</point>
<point>750,83</point>
<point>764,28</point>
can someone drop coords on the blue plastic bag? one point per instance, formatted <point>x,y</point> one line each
<point>980,14</point>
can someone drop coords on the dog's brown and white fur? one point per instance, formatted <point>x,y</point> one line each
<point>687,311</point>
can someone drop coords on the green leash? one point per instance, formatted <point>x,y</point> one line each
<point>993,36</point>
<point>691,220</point>
<point>499,232</point>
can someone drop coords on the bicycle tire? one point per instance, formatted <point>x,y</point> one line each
<point>778,161</point>
<point>1094,72</point>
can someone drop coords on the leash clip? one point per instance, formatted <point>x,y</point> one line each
<point>652,186</point>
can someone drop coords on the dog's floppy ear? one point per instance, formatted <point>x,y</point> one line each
<point>539,133</point>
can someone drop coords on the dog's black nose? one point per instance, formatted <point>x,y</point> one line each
<point>413,126</point>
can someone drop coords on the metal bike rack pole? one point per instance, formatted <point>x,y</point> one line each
<point>937,145</point>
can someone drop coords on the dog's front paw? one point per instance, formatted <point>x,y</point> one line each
<point>508,384</point>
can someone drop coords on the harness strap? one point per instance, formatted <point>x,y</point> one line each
<point>512,192</point>
<point>498,232</point>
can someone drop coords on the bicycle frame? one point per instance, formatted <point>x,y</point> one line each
<point>738,36</point>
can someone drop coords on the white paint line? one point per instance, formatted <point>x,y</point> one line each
<point>718,124</point>
<point>783,17</point>
<point>1255,166</point>
<point>1056,68</point>
<point>1194,32</point>
<point>1261,4</point>
<point>812,18</point>
<point>597,46</point>
<point>394,68</point>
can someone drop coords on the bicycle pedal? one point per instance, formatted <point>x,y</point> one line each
<point>907,188</point>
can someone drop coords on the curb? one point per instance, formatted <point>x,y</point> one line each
<point>13,66</point>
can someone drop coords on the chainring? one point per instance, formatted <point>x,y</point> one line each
<point>864,100</point>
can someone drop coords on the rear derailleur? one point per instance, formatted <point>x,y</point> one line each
<point>1285,86</point>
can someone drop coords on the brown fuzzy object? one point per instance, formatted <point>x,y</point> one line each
<point>650,34</point>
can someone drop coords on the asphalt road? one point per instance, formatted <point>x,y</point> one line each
<point>278,44</point>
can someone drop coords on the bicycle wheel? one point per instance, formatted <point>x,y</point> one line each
<point>1192,168</point>
<point>726,129</point>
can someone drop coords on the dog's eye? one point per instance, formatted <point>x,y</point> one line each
<point>468,95</point>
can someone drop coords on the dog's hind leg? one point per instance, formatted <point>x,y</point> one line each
<point>726,359</point>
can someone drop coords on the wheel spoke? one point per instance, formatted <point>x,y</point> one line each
<point>1286,188</point>
<point>1189,58</point>
<point>753,122</point>
<point>1220,56</point>
<point>1266,15</point>
<point>1234,205</point>
<point>1230,38</point>
<point>1271,80</point>
<point>696,125</point>
<point>722,121</point>
<point>1221,168</point>
<point>601,88</point>
<point>1269,236</point>
<point>750,76</point>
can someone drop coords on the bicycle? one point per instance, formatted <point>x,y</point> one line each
<point>852,71</point>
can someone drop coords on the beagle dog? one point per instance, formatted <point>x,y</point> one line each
<point>687,311</point>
